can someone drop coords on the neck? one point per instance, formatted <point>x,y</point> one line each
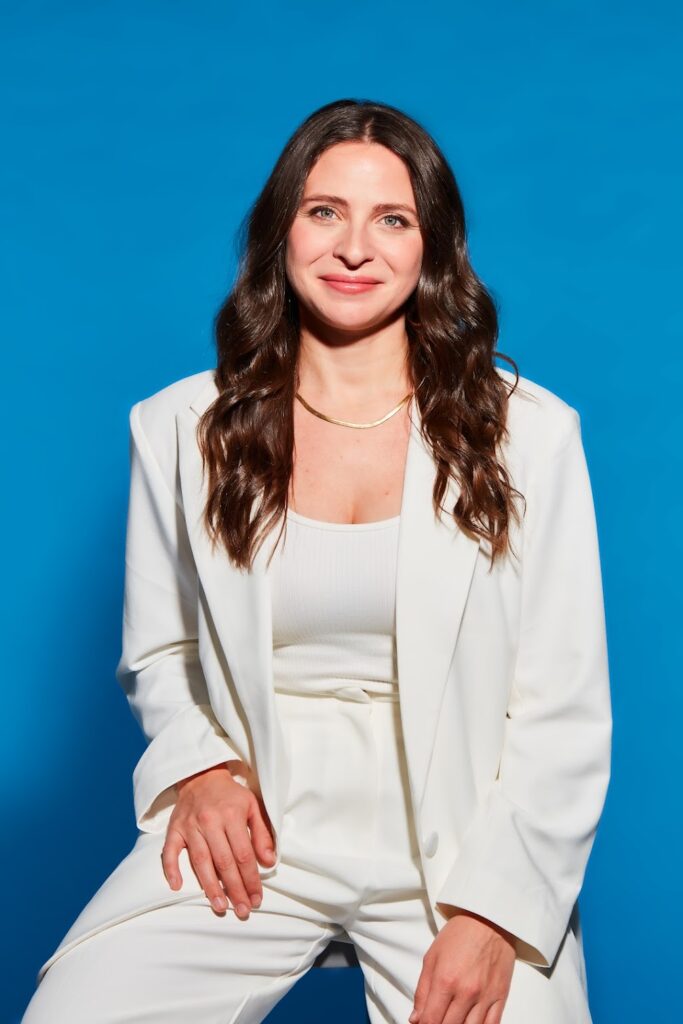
<point>354,372</point>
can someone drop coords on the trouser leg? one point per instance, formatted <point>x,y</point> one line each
<point>392,928</point>
<point>143,955</point>
<point>183,962</point>
<point>349,861</point>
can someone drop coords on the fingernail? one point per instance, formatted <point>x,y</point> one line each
<point>413,1017</point>
<point>255,900</point>
<point>242,909</point>
<point>219,902</point>
<point>269,855</point>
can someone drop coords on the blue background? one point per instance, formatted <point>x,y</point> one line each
<point>136,136</point>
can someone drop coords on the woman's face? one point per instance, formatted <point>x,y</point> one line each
<point>357,219</point>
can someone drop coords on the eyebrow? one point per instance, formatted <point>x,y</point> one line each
<point>377,208</point>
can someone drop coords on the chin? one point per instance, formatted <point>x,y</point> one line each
<point>344,318</point>
<point>361,324</point>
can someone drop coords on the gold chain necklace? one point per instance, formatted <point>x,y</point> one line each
<point>346,423</point>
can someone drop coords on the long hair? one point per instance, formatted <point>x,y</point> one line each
<point>246,436</point>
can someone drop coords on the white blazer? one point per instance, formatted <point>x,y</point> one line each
<point>503,674</point>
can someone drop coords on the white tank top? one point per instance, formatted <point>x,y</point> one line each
<point>333,588</point>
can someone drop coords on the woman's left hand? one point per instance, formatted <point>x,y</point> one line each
<point>466,973</point>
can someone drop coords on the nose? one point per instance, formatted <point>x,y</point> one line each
<point>353,244</point>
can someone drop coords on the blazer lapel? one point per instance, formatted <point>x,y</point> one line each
<point>239,605</point>
<point>436,561</point>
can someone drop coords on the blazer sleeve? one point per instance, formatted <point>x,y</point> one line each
<point>524,855</point>
<point>159,668</point>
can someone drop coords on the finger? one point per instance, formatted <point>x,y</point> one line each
<point>173,844</point>
<point>245,858</point>
<point>477,1014</point>
<point>261,835</point>
<point>203,867</point>
<point>422,988</point>
<point>465,1007</point>
<point>228,869</point>
<point>495,1012</point>
<point>438,1003</point>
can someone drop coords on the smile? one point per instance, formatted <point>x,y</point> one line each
<point>349,286</point>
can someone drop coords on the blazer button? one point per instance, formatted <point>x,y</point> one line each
<point>430,844</point>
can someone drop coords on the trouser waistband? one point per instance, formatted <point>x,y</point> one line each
<point>358,695</point>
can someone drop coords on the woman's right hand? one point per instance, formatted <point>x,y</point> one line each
<point>210,818</point>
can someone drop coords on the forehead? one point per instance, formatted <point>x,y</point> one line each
<point>360,171</point>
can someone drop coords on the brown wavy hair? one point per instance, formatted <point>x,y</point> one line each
<point>246,436</point>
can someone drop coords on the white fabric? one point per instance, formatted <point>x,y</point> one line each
<point>333,593</point>
<point>498,667</point>
<point>350,862</point>
<point>496,664</point>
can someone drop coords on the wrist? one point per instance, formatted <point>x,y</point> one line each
<point>205,771</point>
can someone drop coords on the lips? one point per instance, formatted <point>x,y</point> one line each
<point>350,285</point>
<point>345,278</point>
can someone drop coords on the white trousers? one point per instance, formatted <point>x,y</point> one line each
<point>349,863</point>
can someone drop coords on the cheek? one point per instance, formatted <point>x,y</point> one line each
<point>407,261</point>
<point>303,247</point>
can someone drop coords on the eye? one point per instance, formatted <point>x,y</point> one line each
<point>402,220</point>
<point>318,208</point>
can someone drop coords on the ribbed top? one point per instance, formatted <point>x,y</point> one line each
<point>320,524</point>
<point>333,589</point>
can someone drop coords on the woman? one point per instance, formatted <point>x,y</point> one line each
<point>356,498</point>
